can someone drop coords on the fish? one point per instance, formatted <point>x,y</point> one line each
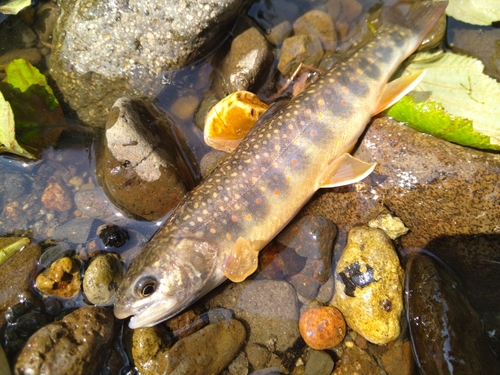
<point>217,231</point>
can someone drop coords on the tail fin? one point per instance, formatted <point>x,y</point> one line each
<point>419,17</point>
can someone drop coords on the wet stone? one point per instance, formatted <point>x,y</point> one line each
<point>369,285</point>
<point>102,278</point>
<point>16,277</point>
<point>113,236</point>
<point>392,226</point>
<point>77,344</point>
<point>74,231</point>
<point>317,25</point>
<point>61,279</point>
<point>139,161</point>
<point>357,361</point>
<point>268,307</point>
<point>322,327</point>
<point>398,360</point>
<point>318,363</point>
<point>246,65</point>
<point>299,49</point>
<point>279,33</point>
<point>312,238</point>
<point>56,197</point>
<point>95,204</point>
<point>452,336</point>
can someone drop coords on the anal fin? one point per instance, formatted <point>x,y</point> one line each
<point>398,88</point>
<point>345,170</point>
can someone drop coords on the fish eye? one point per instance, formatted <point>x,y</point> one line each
<point>146,286</point>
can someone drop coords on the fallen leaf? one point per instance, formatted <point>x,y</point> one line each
<point>475,12</point>
<point>14,6</point>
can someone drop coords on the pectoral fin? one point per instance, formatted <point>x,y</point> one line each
<point>398,88</point>
<point>345,170</point>
<point>242,261</point>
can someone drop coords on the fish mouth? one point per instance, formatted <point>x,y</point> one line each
<point>150,315</point>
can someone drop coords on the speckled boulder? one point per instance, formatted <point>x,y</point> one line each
<point>103,50</point>
<point>77,344</point>
<point>369,285</point>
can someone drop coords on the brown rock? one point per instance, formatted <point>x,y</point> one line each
<point>16,277</point>
<point>77,344</point>
<point>299,49</point>
<point>139,160</point>
<point>322,327</point>
<point>317,24</point>
<point>357,361</point>
<point>56,197</point>
<point>398,360</point>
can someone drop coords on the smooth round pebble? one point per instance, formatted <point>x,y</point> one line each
<point>102,278</point>
<point>322,327</point>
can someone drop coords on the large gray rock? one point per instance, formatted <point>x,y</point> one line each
<point>103,50</point>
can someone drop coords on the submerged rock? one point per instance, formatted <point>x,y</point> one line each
<point>139,160</point>
<point>447,334</point>
<point>61,279</point>
<point>369,285</point>
<point>77,344</point>
<point>322,327</point>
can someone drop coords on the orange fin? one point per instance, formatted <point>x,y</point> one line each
<point>345,170</point>
<point>398,88</point>
<point>242,261</point>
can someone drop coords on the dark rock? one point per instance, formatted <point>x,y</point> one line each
<point>113,236</point>
<point>139,160</point>
<point>103,51</point>
<point>447,333</point>
<point>77,344</point>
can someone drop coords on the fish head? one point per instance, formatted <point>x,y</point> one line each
<point>157,287</point>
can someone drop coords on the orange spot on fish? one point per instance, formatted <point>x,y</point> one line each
<point>277,147</point>
<point>288,178</point>
<point>361,82</point>
<point>228,236</point>
<point>340,118</point>
<point>263,170</point>
<point>328,91</point>
<point>344,102</point>
<point>275,165</point>
<point>258,201</point>
<point>212,230</point>
<point>249,217</point>
<point>345,89</point>
<point>321,102</point>
<point>294,162</point>
<point>360,71</point>
<point>234,218</point>
<point>313,133</point>
<point>276,192</point>
<point>308,111</point>
<point>370,60</point>
<point>351,79</point>
<point>320,115</point>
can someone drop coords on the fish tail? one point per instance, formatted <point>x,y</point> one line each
<point>419,18</point>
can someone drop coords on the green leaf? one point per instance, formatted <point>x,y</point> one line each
<point>430,117</point>
<point>458,83</point>
<point>14,6</point>
<point>8,141</point>
<point>22,75</point>
<point>475,12</point>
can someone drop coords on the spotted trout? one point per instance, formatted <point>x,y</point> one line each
<point>221,225</point>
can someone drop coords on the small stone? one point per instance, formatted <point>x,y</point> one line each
<point>102,278</point>
<point>357,361</point>
<point>61,279</point>
<point>299,49</point>
<point>369,285</point>
<point>55,197</point>
<point>184,107</point>
<point>279,32</point>
<point>113,236</point>
<point>317,25</point>
<point>77,344</point>
<point>398,360</point>
<point>239,366</point>
<point>392,226</point>
<point>322,327</point>
<point>76,181</point>
<point>318,363</point>
<point>258,355</point>
<point>31,55</point>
